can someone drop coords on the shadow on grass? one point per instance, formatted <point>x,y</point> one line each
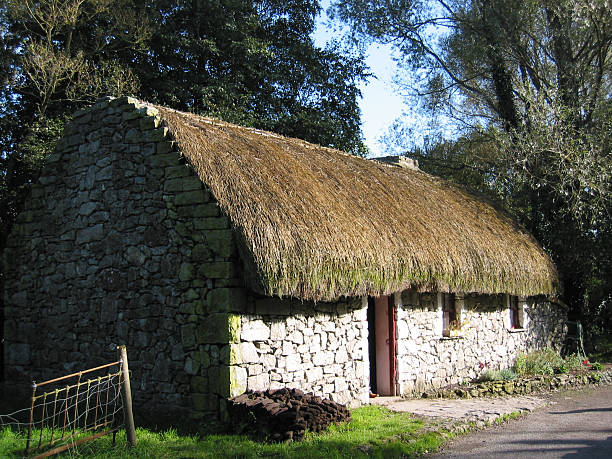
<point>374,432</point>
<point>226,446</point>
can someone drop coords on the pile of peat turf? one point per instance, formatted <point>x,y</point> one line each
<point>283,414</point>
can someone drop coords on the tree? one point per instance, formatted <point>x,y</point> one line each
<point>56,55</point>
<point>253,63</point>
<point>532,77</point>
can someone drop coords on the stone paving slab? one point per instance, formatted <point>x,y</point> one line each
<point>479,411</point>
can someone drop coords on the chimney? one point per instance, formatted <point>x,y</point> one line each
<point>401,161</point>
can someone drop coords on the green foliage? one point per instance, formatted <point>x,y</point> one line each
<point>547,362</point>
<point>520,365</point>
<point>561,369</point>
<point>507,374</point>
<point>488,375</point>
<point>538,362</point>
<point>508,417</point>
<point>374,432</point>
<point>602,349</point>
<point>497,375</point>
<point>596,366</point>
<point>574,362</point>
<point>254,64</point>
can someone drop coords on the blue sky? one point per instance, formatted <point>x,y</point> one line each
<point>381,103</point>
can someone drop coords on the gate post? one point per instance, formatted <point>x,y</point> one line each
<point>130,429</point>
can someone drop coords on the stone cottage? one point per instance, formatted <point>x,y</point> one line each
<point>229,259</point>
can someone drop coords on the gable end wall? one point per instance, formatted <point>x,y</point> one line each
<point>120,243</point>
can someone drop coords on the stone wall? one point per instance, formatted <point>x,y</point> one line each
<point>427,360</point>
<point>320,348</point>
<point>120,243</point>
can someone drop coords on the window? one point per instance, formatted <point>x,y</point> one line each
<point>516,316</point>
<point>450,319</point>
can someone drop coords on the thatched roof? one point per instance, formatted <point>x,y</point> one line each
<point>319,223</point>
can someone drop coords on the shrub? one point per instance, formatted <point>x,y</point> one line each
<point>596,366</point>
<point>520,364</point>
<point>507,374</point>
<point>561,369</point>
<point>488,375</point>
<point>501,375</point>
<point>574,362</point>
<point>541,362</point>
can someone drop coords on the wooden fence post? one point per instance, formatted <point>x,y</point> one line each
<point>127,396</point>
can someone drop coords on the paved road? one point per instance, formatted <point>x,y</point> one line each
<point>575,425</point>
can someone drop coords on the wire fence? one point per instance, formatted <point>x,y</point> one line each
<point>71,410</point>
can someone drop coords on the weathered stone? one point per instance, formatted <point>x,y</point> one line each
<point>199,253</point>
<point>186,198</point>
<point>219,328</point>
<point>323,358</point>
<point>161,160</point>
<point>135,256</point>
<point>255,330</point>
<point>226,299</point>
<point>174,171</point>
<point>259,382</point>
<point>203,209</point>
<point>104,174</point>
<point>277,331</point>
<point>93,233</point>
<point>18,354</point>
<point>155,135</point>
<point>221,242</point>
<point>149,122</point>
<point>293,362</point>
<point>204,402</point>
<point>192,183</point>
<point>217,270</point>
<point>186,272</point>
<point>164,147</point>
<point>243,353</point>
<point>199,384</point>
<point>173,185</point>
<point>133,136</point>
<point>211,222</point>
<point>188,336</point>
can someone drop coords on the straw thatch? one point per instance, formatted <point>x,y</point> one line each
<point>319,223</point>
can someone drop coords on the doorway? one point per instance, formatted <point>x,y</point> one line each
<point>381,344</point>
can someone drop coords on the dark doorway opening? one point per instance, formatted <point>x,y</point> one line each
<point>381,344</point>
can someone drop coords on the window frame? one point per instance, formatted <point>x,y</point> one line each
<point>516,313</point>
<point>450,312</point>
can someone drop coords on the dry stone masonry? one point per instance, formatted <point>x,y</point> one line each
<point>121,243</point>
<point>320,348</point>
<point>427,360</point>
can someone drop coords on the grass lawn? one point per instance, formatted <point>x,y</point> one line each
<point>373,432</point>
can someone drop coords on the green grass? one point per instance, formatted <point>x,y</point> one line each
<point>507,417</point>
<point>374,432</point>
